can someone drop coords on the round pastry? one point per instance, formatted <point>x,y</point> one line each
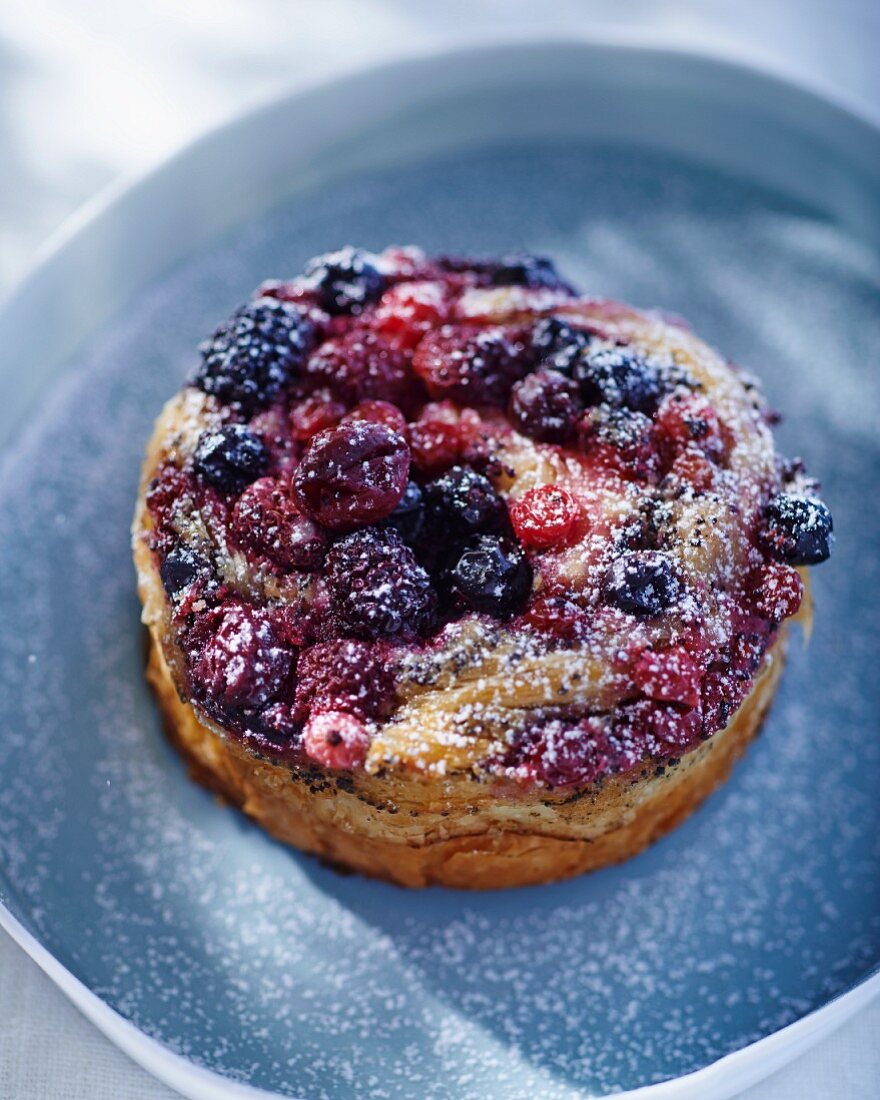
<point>455,576</point>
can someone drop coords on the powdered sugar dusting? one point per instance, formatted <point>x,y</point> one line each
<point>264,966</point>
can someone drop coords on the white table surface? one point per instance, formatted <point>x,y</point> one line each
<point>94,89</point>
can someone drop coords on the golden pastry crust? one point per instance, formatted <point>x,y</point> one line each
<point>458,832</point>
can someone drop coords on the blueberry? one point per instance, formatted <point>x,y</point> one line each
<point>463,503</point>
<point>618,377</point>
<point>377,588</point>
<point>179,569</point>
<point>346,280</point>
<point>492,576</point>
<point>557,344</point>
<point>800,530</point>
<point>527,269</point>
<point>256,354</point>
<point>230,458</point>
<point>642,583</point>
<point>408,518</point>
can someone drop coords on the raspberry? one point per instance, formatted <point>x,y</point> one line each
<point>621,440</point>
<point>346,675</point>
<point>618,377</point>
<point>237,659</point>
<point>352,475</point>
<point>690,422</point>
<point>336,740</point>
<point>361,364</point>
<point>546,406</point>
<point>437,438</point>
<point>545,516</point>
<point>377,588</point>
<point>315,413</point>
<point>564,753</point>
<point>266,523</point>
<point>409,310</point>
<point>492,576</point>
<point>780,591</point>
<point>642,583</point>
<point>799,531</point>
<point>671,676</point>
<point>379,412</point>
<point>556,616</point>
<point>230,457</point>
<point>345,281</point>
<point>256,354</point>
<point>475,367</point>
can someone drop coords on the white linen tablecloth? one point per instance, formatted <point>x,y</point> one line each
<point>94,89</point>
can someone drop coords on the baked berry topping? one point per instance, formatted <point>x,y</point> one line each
<point>361,364</point>
<point>395,446</point>
<point>558,345</point>
<point>622,440</point>
<point>408,518</point>
<point>439,437</point>
<point>377,588</point>
<point>336,740</point>
<point>546,406</point>
<point>179,569</point>
<point>779,591</point>
<point>546,516</point>
<point>230,457</point>
<point>527,269</point>
<point>379,412</point>
<point>642,583</point>
<point>618,377</point>
<point>345,674</point>
<point>672,676</point>
<point>242,663</point>
<point>256,354</point>
<point>475,366</point>
<point>352,476</point>
<point>799,531</point>
<point>463,503</point>
<point>345,281</point>
<point>315,413</point>
<point>492,576</point>
<point>267,525</point>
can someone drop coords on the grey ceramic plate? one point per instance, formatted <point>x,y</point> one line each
<point>752,208</point>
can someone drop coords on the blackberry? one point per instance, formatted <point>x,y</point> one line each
<point>800,530</point>
<point>619,378</point>
<point>546,406</point>
<point>251,358</point>
<point>179,569</point>
<point>492,576</point>
<point>408,518</point>
<point>377,588</point>
<point>642,583</point>
<point>230,458</point>
<point>527,269</point>
<point>558,345</point>
<point>345,281</point>
<point>463,503</point>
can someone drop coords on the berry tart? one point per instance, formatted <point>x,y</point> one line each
<point>453,575</point>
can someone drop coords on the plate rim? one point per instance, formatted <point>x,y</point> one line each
<point>718,1080</point>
